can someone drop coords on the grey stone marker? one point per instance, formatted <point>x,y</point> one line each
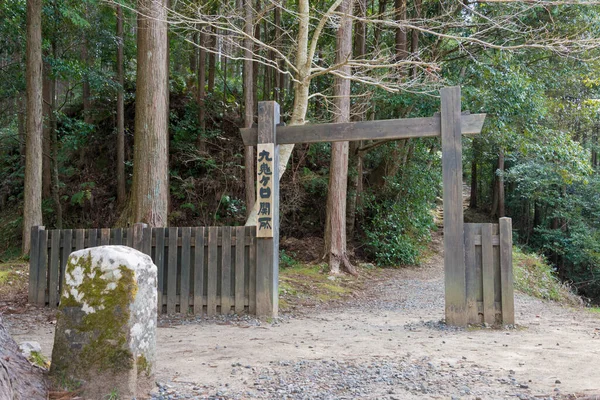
<point>105,339</point>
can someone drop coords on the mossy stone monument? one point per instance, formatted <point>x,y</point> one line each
<point>105,341</point>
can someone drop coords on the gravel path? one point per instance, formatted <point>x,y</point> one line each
<point>385,343</point>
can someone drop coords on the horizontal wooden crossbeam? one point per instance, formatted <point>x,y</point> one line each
<point>471,124</point>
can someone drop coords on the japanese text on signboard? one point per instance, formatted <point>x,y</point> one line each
<point>265,175</point>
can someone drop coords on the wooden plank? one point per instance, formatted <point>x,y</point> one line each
<point>495,240</point>
<point>104,236</point>
<point>198,270</point>
<point>159,261</point>
<point>43,270</point>
<point>487,262</point>
<point>506,268</point>
<point>252,271</point>
<point>92,238</point>
<point>471,275</point>
<point>219,242</point>
<point>226,270</point>
<point>138,236</point>
<point>454,250</point>
<point>240,254</point>
<point>129,237</point>
<point>172,272</point>
<point>117,237</point>
<point>79,239</point>
<point>186,238</point>
<point>267,248</point>
<point>35,252</point>
<point>54,269</point>
<point>211,289</point>
<point>67,246</point>
<point>470,124</point>
<point>147,240</point>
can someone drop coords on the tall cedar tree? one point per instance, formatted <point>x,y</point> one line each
<point>335,235</point>
<point>150,191</point>
<point>32,209</point>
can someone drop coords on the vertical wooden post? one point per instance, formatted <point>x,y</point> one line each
<point>138,236</point>
<point>267,230</point>
<point>454,248</point>
<point>34,264</point>
<point>487,266</point>
<point>506,272</point>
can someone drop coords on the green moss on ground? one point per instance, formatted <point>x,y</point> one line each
<point>308,284</point>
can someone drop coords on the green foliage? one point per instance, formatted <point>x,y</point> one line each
<point>38,359</point>
<point>534,276</point>
<point>398,218</point>
<point>288,260</point>
<point>84,195</point>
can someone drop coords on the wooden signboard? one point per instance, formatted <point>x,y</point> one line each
<point>266,172</point>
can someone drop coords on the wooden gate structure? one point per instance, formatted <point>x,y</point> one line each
<point>470,282</point>
<point>214,270</point>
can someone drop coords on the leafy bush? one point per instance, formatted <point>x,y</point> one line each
<point>288,259</point>
<point>397,218</point>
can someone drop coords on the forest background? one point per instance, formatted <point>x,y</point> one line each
<point>198,69</point>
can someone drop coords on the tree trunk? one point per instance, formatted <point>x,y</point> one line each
<point>278,84</point>
<point>22,112</point>
<point>353,184</point>
<point>501,199</point>
<point>498,188</point>
<point>32,208</point>
<point>335,236</point>
<point>401,40</point>
<point>355,157</point>
<point>121,189</point>
<point>249,105</point>
<point>212,61</point>
<point>47,118</point>
<point>200,142</point>
<point>256,66</point>
<point>415,37</point>
<point>473,199</point>
<point>194,53</point>
<point>86,95</point>
<point>150,191</point>
<point>224,62</point>
<point>594,161</point>
<point>54,147</point>
<point>377,30</point>
<point>19,380</point>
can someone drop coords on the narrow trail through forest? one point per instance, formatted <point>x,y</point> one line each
<point>384,343</point>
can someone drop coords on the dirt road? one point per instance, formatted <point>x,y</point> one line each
<point>387,343</point>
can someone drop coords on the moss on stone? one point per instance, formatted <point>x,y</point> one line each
<point>143,366</point>
<point>104,321</point>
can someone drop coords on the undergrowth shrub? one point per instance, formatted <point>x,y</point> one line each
<point>397,218</point>
<point>535,277</point>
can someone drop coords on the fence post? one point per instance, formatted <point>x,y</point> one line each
<point>267,227</point>
<point>34,264</point>
<point>506,272</point>
<point>454,247</point>
<point>138,236</point>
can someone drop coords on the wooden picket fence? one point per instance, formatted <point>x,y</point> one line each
<point>489,273</point>
<point>201,270</point>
